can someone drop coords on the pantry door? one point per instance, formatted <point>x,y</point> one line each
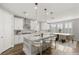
<point>6,31</point>
<point>1,32</point>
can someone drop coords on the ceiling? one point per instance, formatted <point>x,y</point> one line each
<point>60,10</point>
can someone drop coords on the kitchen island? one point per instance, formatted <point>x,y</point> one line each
<point>34,44</point>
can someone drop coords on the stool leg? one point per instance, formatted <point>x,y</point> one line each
<point>55,44</point>
<point>40,50</point>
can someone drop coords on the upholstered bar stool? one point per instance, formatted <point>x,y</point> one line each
<point>38,46</point>
<point>48,42</point>
<point>54,41</point>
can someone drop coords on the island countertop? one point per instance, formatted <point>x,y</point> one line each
<point>34,37</point>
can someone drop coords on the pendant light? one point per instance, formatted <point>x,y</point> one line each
<point>51,14</point>
<point>45,13</point>
<point>36,7</point>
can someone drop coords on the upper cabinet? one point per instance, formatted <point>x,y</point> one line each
<point>34,25</point>
<point>22,23</point>
<point>26,24</point>
<point>18,23</point>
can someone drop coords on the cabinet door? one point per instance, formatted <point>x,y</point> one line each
<point>18,39</point>
<point>18,24</point>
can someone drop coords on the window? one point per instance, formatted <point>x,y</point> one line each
<point>68,27</point>
<point>53,28</point>
<point>70,24</point>
<point>59,27</point>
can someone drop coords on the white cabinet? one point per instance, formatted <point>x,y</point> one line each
<point>18,23</point>
<point>26,24</point>
<point>34,25</point>
<point>6,30</point>
<point>18,39</point>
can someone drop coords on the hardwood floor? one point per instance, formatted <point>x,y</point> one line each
<point>61,49</point>
<point>16,50</point>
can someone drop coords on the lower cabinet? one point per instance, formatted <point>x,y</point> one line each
<point>18,39</point>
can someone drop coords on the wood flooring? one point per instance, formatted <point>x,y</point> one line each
<point>60,49</point>
<point>16,50</point>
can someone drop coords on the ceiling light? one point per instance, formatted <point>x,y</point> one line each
<point>45,9</point>
<point>35,7</point>
<point>36,3</point>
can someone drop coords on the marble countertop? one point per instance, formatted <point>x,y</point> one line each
<point>66,34</point>
<point>34,37</point>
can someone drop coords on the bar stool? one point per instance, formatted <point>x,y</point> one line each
<point>38,45</point>
<point>48,42</point>
<point>56,39</point>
